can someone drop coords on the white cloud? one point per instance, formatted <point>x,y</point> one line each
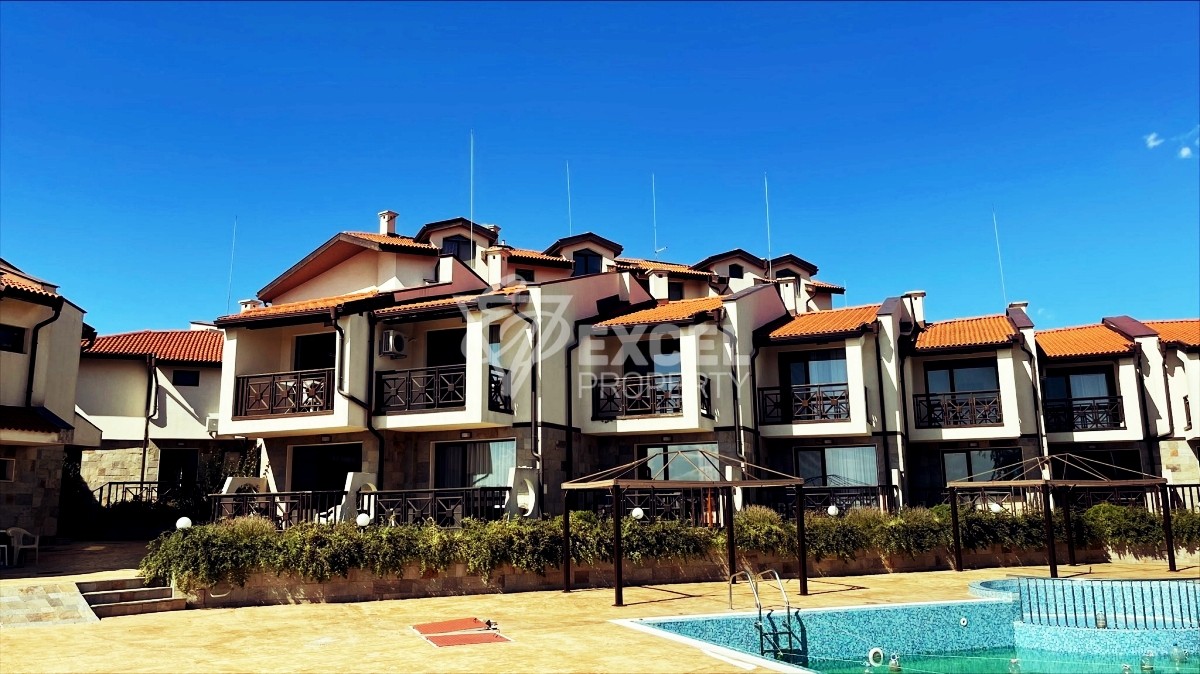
<point>1152,141</point>
<point>1185,153</point>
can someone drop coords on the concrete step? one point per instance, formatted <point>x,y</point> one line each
<point>123,596</point>
<point>138,607</point>
<point>114,584</point>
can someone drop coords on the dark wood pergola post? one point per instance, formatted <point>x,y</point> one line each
<point>801,542</point>
<point>730,544</point>
<point>1066,508</point>
<point>566,555</point>
<point>618,553</point>
<point>1048,518</point>
<point>1168,535</point>
<point>955,536</point>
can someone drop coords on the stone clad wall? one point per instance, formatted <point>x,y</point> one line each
<point>98,467</point>
<point>31,500</point>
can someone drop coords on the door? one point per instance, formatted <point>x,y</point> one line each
<point>324,467</point>
<point>445,347</point>
<point>315,352</point>
<point>177,468</point>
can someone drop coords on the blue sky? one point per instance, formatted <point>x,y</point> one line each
<point>131,135</point>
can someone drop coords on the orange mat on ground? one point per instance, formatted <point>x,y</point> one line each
<point>457,625</point>
<point>468,638</point>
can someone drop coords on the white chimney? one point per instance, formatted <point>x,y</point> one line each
<point>387,222</point>
<point>1022,305</point>
<point>247,305</point>
<point>917,303</point>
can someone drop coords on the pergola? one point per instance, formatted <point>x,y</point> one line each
<point>1036,474</point>
<point>653,473</point>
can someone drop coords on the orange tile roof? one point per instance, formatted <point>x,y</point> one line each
<point>665,312</point>
<point>298,308</point>
<point>1084,340</point>
<point>396,240</point>
<point>424,304</point>
<point>536,256</point>
<point>834,321</point>
<point>633,263</point>
<point>960,332</point>
<point>1184,331</point>
<point>193,346</point>
<point>19,283</point>
<point>828,287</point>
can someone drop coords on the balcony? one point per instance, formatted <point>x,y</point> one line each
<point>425,389</point>
<point>284,508</point>
<point>1084,414</point>
<point>444,507</point>
<point>279,394</point>
<point>805,403</point>
<point>956,410</point>
<point>650,395</point>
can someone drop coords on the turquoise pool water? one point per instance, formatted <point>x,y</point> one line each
<point>1006,661</point>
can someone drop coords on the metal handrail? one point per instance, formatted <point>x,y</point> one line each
<point>753,588</point>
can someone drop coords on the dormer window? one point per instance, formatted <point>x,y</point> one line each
<point>587,262</point>
<point>675,291</point>
<point>459,246</point>
<point>783,273</point>
<point>737,271</point>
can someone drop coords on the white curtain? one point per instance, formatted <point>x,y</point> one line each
<point>851,466</point>
<point>827,371</point>
<point>1088,386</point>
<point>488,463</point>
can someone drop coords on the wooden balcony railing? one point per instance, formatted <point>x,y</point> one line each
<point>809,402</point>
<point>421,389</point>
<point>119,492</point>
<point>284,393</point>
<point>284,508</point>
<point>950,410</point>
<point>1084,414</point>
<point>638,395</point>
<point>444,507</point>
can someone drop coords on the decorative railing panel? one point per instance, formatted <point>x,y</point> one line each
<point>1184,496</point>
<point>284,508</point>
<point>805,403</point>
<point>1084,414</point>
<point>279,393</point>
<point>1110,604</point>
<point>818,498</point>
<point>421,389</point>
<point>948,410</point>
<point>119,492</point>
<point>444,507</point>
<point>638,395</point>
<point>499,390</point>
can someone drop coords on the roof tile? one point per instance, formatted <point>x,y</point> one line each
<point>194,346</point>
<point>962,332</point>
<point>1083,340</point>
<point>834,321</point>
<point>638,264</point>
<point>665,312</point>
<point>822,286</point>
<point>15,282</point>
<point>1184,331</point>
<point>424,304</point>
<point>392,240</point>
<point>298,308</point>
<point>536,256</point>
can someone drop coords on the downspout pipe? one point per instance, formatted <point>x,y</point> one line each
<point>1167,384</point>
<point>758,453</point>
<point>534,373</point>
<point>151,406</point>
<point>334,313</point>
<point>883,414</point>
<point>733,369</point>
<point>1147,436</point>
<point>33,349</point>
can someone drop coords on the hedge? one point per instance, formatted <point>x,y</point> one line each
<point>202,556</point>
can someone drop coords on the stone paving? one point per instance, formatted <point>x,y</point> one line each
<point>43,604</point>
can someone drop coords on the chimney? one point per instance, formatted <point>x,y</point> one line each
<point>916,301</point>
<point>247,305</point>
<point>387,222</point>
<point>1022,305</point>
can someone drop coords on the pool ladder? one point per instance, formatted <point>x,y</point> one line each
<point>770,637</point>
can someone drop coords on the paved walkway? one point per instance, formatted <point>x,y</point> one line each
<point>551,631</point>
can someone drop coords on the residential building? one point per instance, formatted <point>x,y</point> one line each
<point>155,395</point>
<point>40,334</point>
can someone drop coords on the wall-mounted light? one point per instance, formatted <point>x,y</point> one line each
<point>972,444</point>
<point>326,438</point>
<point>666,438</point>
<point>464,434</point>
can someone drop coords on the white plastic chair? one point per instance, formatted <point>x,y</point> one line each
<point>23,540</point>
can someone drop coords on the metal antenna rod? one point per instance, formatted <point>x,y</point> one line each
<point>471,206</point>
<point>999,258</point>
<point>654,214</point>
<point>767,202</point>
<point>232,250</point>
<point>570,223</point>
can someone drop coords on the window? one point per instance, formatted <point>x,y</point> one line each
<point>1095,382</point>
<point>675,290</point>
<point>12,338</point>
<point>8,470</point>
<point>324,467</point>
<point>978,465</point>
<point>837,466</point>
<point>960,376</point>
<point>459,246</point>
<point>737,271</point>
<point>785,273</point>
<point>587,262</point>
<point>653,356</point>
<point>494,345</point>
<point>525,275</point>
<point>1113,463</point>
<point>680,462</point>
<point>185,377</point>
<point>460,465</point>
<point>315,352</point>
<point>824,366</point>
<point>445,347</point>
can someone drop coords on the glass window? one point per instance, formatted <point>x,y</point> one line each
<point>653,356</point>
<point>324,467</point>
<point>961,376</point>
<point>494,345</point>
<point>981,465</point>
<point>12,338</point>
<point>525,275</point>
<point>459,246</point>
<point>8,470</point>
<point>827,366</point>
<point>474,464</point>
<point>315,352</point>
<point>587,262</point>
<point>956,466</point>
<point>681,462</point>
<point>185,377</point>
<point>810,466</point>
<point>1079,383</point>
<point>675,290</point>
<point>737,271</point>
<point>838,466</point>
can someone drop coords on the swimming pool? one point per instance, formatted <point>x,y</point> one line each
<point>1028,627</point>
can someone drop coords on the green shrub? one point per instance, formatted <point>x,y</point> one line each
<point>760,529</point>
<point>1125,528</point>
<point>912,531</point>
<point>1185,527</point>
<point>836,537</point>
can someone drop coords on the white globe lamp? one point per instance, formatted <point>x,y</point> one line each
<point>183,523</point>
<point>637,513</point>
<point>832,510</point>
<point>362,520</point>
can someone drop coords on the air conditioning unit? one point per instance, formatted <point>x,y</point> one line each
<point>392,343</point>
<point>210,424</point>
